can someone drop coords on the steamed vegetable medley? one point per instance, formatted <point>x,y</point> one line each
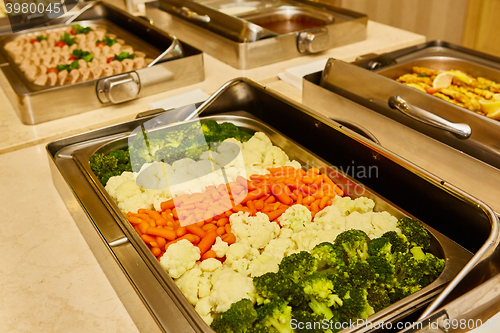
<point>258,244</point>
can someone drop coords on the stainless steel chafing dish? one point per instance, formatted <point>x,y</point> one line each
<point>259,32</point>
<point>175,64</point>
<point>402,189</point>
<point>464,130</point>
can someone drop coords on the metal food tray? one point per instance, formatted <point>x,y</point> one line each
<point>179,64</point>
<point>374,89</point>
<point>239,42</point>
<point>407,186</point>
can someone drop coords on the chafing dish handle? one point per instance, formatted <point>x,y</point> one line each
<point>191,15</point>
<point>460,130</point>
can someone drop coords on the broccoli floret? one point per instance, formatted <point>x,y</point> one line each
<point>320,294</point>
<point>330,258</point>
<point>168,154</point>
<point>271,286</point>
<point>210,125</point>
<point>341,284</point>
<point>310,322</point>
<point>275,315</point>
<point>238,318</point>
<point>103,166</point>
<point>384,271</point>
<point>378,298</point>
<point>406,270</point>
<point>380,247</point>
<point>360,273</point>
<point>399,243</point>
<point>354,243</point>
<point>107,166</point>
<point>415,232</point>
<point>429,265</point>
<point>355,304</point>
<point>298,265</point>
<point>212,131</point>
<point>401,291</point>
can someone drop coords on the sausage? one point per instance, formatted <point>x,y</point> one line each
<point>52,79</point>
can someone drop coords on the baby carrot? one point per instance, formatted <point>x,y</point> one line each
<point>229,238</point>
<point>161,242</point>
<point>221,231</point>
<point>251,205</point>
<point>259,204</point>
<point>153,214</point>
<point>206,242</point>
<point>194,229</point>
<point>165,233</point>
<point>143,227</point>
<point>208,227</point>
<point>222,222</point>
<point>209,254</point>
<point>323,202</point>
<point>134,220</point>
<point>275,214</point>
<point>280,194</point>
<point>169,204</point>
<point>256,194</point>
<point>156,251</point>
<point>148,239</point>
<point>181,231</point>
<point>190,237</point>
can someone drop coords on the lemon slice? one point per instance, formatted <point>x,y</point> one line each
<point>496,97</point>
<point>494,115</point>
<point>416,86</point>
<point>443,80</point>
<point>461,76</point>
<point>490,107</point>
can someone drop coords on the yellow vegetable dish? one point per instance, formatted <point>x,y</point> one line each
<point>476,94</point>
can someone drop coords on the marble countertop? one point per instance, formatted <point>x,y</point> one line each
<point>49,279</point>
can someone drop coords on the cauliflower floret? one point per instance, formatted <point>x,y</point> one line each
<point>152,175</point>
<point>209,155</point>
<point>306,239</point>
<point>251,157</point>
<point>229,153</point>
<point>294,163</point>
<point>239,257</point>
<point>233,172</point>
<point>204,309</point>
<point>210,265</point>
<point>179,258</point>
<point>255,231</point>
<point>279,248</point>
<point>182,164</point>
<point>200,168</point>
<point>328,218</point>
<point>184,184</point>
<point>195,284</point>
<point>230,287</point>
<point>374,224</point>
<point>347,205</point>
<point>213,178</point>
<point>264,264</point>
<point>297,217</point>
<point>115,181</point>
<point>259,142</point>
<point>220,247</point>
<point>274,157</point>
